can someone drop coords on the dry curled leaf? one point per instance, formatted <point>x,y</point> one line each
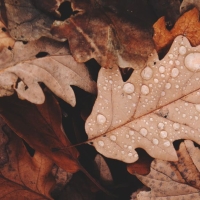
<point>154,107</point>
<point>97,33</point>
<point>25,22</point>
<point>188,4</point>
<point>5,39</point>
<point>22,71</point>
<point>41,127</point>
<point>187,25</point>
<point>174,180</point>
<point>25,176</point>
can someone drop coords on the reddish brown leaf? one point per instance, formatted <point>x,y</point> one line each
<point>40,126</point>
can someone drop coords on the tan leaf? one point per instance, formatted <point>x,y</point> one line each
<point>23,176</point>
<point>174,180</point>
<point>5,39</point>
<point>105,36</point>
<point>25,22</point>
<point>154,107</point>
<point>188,4</point>
<point>22,72</point>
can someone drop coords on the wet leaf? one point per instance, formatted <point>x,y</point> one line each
<point>40,126</point>
<point>154,107</point>
<point>187,25</point>
<point>25,22</point>
<point>102,34</point>
<point>25,176</point>
<point>174,180</point>
<point>22,70</point>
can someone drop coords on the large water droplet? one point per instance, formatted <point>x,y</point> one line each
<point>147,73</point>
<point>176,126</point>
<point>161,126</point>
<point>145,89</point>
<point>163,134</point>
<point>101,143</point>
<point>168,85</point>
<point>167,143</point>
<point>161,69</point>
<point>128,88</point>
<point>101,119</point>
<point>197,106</point>
<point>182,50</point>
<point>113,137</point>
<point>143,131</point>
<point>155,141</point>
<point>174,72</point>
<point>192,62</point>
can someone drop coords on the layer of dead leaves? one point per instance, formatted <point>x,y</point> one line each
<point>46,63</point>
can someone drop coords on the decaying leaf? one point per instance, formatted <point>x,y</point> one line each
<point>5,39</point>
<point>187,25</point>
<point>25,22</point>
<point>154,107</point>
<point>174,180</point>
<point>98,33</point>
<point>40,126</point>
<point>21,71</point>
<point>188,4</point>
<point>23,176</point>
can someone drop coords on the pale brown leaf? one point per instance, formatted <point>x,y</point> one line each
<point>174,180</point>
<point>154,107</point>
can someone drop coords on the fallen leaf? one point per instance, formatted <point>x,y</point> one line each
<point>97,33</point>
<point>51,6</point>
<point>25,22</point>
<point>21,71</point>
<point>174,180</point>
<point>154,107</point>
<point>187,25</point>
<point>6,40</point>
<point>23,176</point>
<point>188,4</point>
<point>40,126</point>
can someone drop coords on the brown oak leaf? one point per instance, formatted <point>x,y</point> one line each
<point>98,33</point>
<point>187,25</point>
<point>41,127</point>
<point>174,180</point>
<point>154,107</point>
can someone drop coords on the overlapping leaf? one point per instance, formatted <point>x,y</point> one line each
<point>154,107</point>
<point>174,180</point>
<point>22,71</point>
<point>104,35</point>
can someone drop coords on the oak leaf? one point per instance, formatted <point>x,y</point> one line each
<point>25,176</point>
<point>41,127</point>
<point>187,25</point>
<point>25,22</point>
<point>154,107</point>
<point>174,180</point>
<point>22,71</point>
<point>98,33</point>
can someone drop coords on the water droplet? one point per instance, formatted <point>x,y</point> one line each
<point>101,143</point>
<point>155,141</point>
<point>192,62</point>
<point>113,137</point>
<point>162,93</point>
<point>171,62</point>
<point>174,72</point>
<point>145,89</point>
<point>130,154</point>
<point>176,126</point>
<point>163,134</point>
<point>136,155</point>
<point>122,152</point>
<point>130,147</point>
<point>170,56</point>
<point>131,132</point>
<point>161,126</point>
<point>155,80</point>
<point>104,87</point>
<point>143,131</point>
<point>176,86</point>
<point>167,143</point>
<point>182,50</point>
<point>129,96</point>
<point>101,119</point>
<point>196,118</point>
<point>147,73</point>
<point>161,69</point>
<point>127,136</point>
<point>168,85</point>
<point>197,106</point>
<point>110,81</point>
<point>184,115</point>
<point>128,88</point>
<point>177,62</point>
